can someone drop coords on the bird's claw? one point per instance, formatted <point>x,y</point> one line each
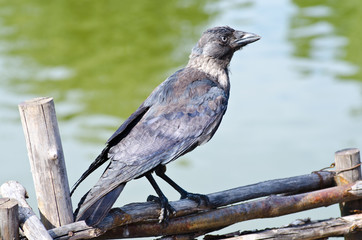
<point>198,198</point>
<point>166,208</point>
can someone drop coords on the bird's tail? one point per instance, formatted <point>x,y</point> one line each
<point>93,210</point>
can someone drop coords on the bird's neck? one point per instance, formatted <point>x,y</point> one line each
<point>217,69</point>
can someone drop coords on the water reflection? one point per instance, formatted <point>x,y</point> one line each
<point>100,54</point>
<point>328,33</point>
<point>98,59</point>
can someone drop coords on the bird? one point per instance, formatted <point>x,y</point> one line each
<point>183,112</point>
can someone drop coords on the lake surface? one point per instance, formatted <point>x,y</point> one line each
<point>295,95</point>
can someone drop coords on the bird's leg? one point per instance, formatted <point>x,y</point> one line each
<point>160,171</point>
<point>166,208</point>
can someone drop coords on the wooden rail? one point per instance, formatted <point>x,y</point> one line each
<point>266,199</point>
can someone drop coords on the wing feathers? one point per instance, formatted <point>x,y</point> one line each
<point>180,114</point>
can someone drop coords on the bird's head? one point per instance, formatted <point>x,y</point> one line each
<point>221,43</point>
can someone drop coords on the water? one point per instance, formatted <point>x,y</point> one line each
<point>295,97</point>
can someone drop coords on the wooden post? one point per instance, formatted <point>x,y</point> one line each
<point>9,219</point>
<point>349,170</point>
<point>30,224</point>
<point>47,161</point>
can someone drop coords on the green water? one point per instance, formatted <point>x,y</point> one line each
<point>295,97</point>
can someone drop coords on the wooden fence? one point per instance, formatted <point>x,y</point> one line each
<point>273,198</point>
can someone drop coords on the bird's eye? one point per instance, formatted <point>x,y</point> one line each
<point>224,39</point>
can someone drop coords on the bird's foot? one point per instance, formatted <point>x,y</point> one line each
<point>198,198</point>
<point>166,208</point>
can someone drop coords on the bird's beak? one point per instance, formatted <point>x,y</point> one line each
<point>243,38</point>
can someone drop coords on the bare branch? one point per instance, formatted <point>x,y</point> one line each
<point>140,212</point>
<point>215,219</point>
<point>309,230</point>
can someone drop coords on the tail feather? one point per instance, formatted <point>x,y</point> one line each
<point>93,213</point>
<point>102,158</point>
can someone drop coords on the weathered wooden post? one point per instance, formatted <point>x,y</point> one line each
<point>349,170</point>
<point>47,161</point>
<point>32,228</point>
<point>9,219</point>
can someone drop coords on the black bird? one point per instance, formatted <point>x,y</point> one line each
<point>182,113</point>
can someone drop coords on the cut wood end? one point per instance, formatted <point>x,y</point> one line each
<point>36,101</point>
<point>347,151</point>
<point>13,186</point>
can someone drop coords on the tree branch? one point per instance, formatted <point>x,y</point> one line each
<point>141,212</point>
<point>304,230</point>
<point>216,219</point>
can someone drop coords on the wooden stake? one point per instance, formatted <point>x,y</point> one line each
<point>348,171</point>
<point>47,161</point>
<point>9,219</point>
<point>30,224</point>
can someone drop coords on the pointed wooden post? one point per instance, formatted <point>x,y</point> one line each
<point>348,171</point>
<point>47,161</point>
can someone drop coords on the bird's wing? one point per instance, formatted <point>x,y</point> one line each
<point>126,127</point>
<point>116,137</point>
<point>165,132</point>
